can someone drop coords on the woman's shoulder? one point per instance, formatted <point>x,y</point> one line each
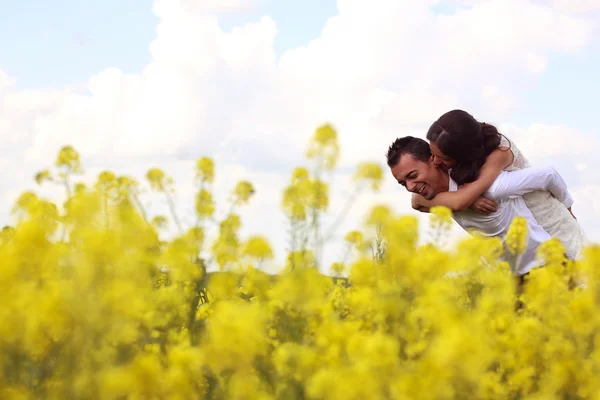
<point>505,143</point>
<point>519,160</point>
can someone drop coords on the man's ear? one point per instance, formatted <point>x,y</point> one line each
<point>430,162</point>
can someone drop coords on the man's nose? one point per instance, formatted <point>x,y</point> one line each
<point>410,186</point>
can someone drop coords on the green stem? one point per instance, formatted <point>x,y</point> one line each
<point>172,210</point>
<point>315,224</point>
<point>315,217</point>
<point>140,207</point>
<point>342,214</point>
<point>66,183</point>
<point>106,216</point>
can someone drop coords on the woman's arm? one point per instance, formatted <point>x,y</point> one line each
<point>462,199</point>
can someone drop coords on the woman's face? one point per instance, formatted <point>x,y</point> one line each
<point>439,159</point>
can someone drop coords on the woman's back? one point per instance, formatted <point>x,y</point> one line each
<point>549,212</point>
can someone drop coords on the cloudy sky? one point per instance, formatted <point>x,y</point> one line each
<point>138,84</point>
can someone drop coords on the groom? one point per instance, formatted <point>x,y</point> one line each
<point>409,162</point>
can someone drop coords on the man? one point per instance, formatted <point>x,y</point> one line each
<point>409,159</point>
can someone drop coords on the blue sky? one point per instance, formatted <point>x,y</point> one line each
<point>55,44</point>
<point>566,93</point>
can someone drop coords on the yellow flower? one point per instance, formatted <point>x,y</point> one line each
<point>300,175</point>
<point>552,252</point>
<point>205,170</point>
<point>128,310</point>
<point>243,192</point>
<point>158,180</point>
<point>324,146</point>
<point>337,268</point>
<point>43,176</point>
<point>371,173</point>
<point>205,205</point>
<point>516,238</point>
<point>160,221</point>
<point>107,184</point>
<point>80,188</point>
<point>6,233</point>
<point>319,198</point>
<point>258,247</point>
<point>294,203</point>
<point>442,216</point>
<point>362,272</point>
<point>69,157</point>
<point>379,215</point>
<point>300,259</point>
<point>355,238</point>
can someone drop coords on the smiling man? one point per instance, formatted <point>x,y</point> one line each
<point>417,173</point>
<point>409,160</point>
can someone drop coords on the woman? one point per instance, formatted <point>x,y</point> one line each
<point>476,153</point>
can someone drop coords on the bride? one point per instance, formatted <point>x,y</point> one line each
<point>475,153</point>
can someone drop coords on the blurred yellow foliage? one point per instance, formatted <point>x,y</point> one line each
<point>97,311</point>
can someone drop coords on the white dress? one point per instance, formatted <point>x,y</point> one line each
<point>548,211</point>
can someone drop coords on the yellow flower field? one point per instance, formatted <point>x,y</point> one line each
<point>95,305</point>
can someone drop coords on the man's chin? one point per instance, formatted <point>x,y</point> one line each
<point>429,195</point>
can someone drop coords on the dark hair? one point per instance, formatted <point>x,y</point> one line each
<point>460,136</point>
<point>416,147</point>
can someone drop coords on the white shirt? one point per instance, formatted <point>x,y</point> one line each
<point>506,192</point>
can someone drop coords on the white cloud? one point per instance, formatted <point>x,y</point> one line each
<point>587,209</point>
<point>378,71</point>
<point>542,143</point>
<point>492,35</point>
<point>497,102</point>
<point>6,81</point>
<point>536,64</point>
<point>567,6</point>
<point>167,8</point>
<point>577,6</point>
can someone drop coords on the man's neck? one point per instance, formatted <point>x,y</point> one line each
<point>443,182</point>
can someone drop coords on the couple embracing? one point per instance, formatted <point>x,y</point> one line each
<point>471,168</point>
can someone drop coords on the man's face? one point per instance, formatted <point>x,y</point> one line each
<point>417,176</point>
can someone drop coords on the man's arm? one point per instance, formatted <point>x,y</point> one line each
<point>523,181</point>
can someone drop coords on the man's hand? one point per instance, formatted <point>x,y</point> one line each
<point>484,206</point>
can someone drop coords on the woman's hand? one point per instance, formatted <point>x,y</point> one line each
<point>415,201</point>
<point>419,203</point>
<point>484,206</point>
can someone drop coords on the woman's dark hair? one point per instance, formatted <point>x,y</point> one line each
<point>460,136</point>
